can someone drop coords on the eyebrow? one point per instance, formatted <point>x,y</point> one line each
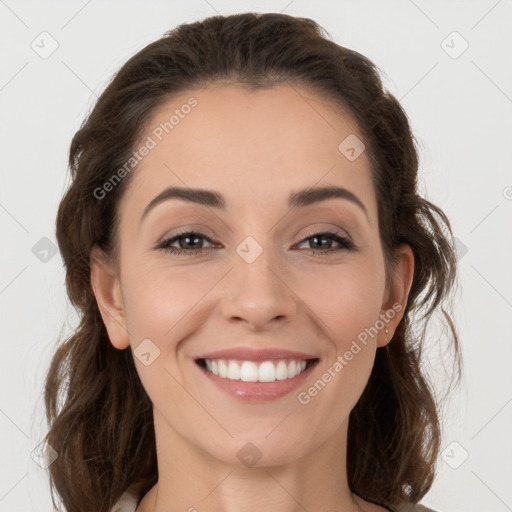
<point>213,199</point>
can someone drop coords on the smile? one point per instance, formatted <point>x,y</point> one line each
<point>250,371</point>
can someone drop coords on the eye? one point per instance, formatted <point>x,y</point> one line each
<point>319,238</point>
<point>191,239</point>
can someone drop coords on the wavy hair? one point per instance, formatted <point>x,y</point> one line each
<point>99,415</point>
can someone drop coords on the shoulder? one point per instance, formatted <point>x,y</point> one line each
<point>413,507</point>
<point>126,503</point>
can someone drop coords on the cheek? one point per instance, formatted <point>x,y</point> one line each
<point>163,305</point>
<point>159,298</point>
<point>347,298</point>
<point>347,302</point>
<point>159,301</point>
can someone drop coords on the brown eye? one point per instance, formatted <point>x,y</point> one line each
<point>190,239</point>
<point>318,240</point>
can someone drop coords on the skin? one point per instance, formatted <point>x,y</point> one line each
<point>254,148</point>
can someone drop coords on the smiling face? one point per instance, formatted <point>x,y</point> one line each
<point>259,271</point>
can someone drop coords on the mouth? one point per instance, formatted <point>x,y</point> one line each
<point>256,375</point>
<point>256,381</point>
<point>257,371</point>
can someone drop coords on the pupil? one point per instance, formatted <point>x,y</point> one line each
<point>188,238</point>
<point>316,238</point>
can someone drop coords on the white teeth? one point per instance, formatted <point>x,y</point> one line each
<point>249,371</point>
<point>233,371</point>
<point>267,372</point>
<point>282,370</point>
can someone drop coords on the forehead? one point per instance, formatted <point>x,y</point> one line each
<point>250,145</point>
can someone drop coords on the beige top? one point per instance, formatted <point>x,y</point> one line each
<point>128,503</point>
<point>411,507</point>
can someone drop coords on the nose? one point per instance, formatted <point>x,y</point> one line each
<point>258,294</point>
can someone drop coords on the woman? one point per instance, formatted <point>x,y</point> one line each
<point>229,356</point>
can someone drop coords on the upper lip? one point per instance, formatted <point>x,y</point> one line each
<point>262,354</point>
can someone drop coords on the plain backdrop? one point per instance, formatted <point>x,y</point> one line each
<point>447,62</point>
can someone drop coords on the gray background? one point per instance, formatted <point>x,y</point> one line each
<point>459,103</point>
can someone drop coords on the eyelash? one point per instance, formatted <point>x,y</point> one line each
<point>346,245</point>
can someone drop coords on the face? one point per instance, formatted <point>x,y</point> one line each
<point>255,272</point>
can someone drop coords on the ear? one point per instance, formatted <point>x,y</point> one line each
<point>396,294</point>
<point>106,286</point>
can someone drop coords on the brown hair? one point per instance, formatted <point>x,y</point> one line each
<point>100,416</point>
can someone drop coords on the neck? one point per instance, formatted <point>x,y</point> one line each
<point>191,480</point>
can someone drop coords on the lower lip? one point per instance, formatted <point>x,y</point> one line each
<point>258,391</point>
